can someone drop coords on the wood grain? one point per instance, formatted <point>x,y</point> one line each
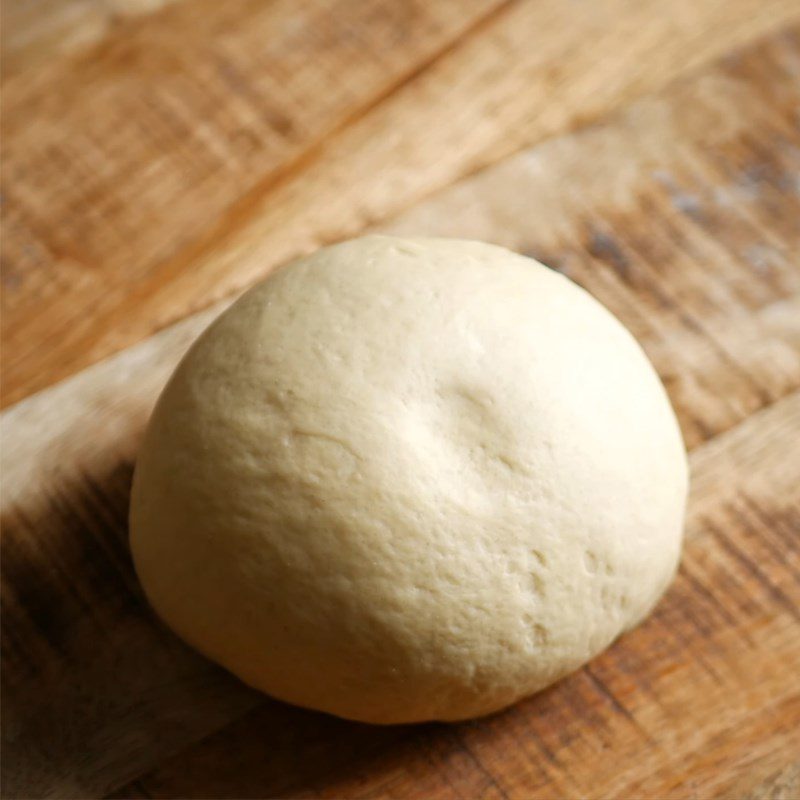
<point>252,158</point>
<point>95,690</point>
<point>680,214</point>
<point>32,33</point>
<point>784,785</point>
<point>118,157</point>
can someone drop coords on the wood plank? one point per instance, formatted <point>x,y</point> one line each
<point>701,695</point>
<point>96,693</point>
<point>135,198</point>
<point>95,690</point>
<point>117,158</point>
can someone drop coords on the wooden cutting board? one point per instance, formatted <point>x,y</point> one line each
<point>159,156</point>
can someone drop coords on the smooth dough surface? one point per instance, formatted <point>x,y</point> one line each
<point>409,479</point>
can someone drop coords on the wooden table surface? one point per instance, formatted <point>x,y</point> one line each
<point>161,155</point>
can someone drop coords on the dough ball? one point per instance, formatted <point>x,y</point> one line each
<point>409,479</point>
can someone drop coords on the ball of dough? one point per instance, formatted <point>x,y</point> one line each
<point>409,479</point>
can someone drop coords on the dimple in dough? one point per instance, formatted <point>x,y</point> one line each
<point>409,479</point>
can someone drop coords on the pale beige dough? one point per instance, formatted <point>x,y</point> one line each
<point>409,479</point>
